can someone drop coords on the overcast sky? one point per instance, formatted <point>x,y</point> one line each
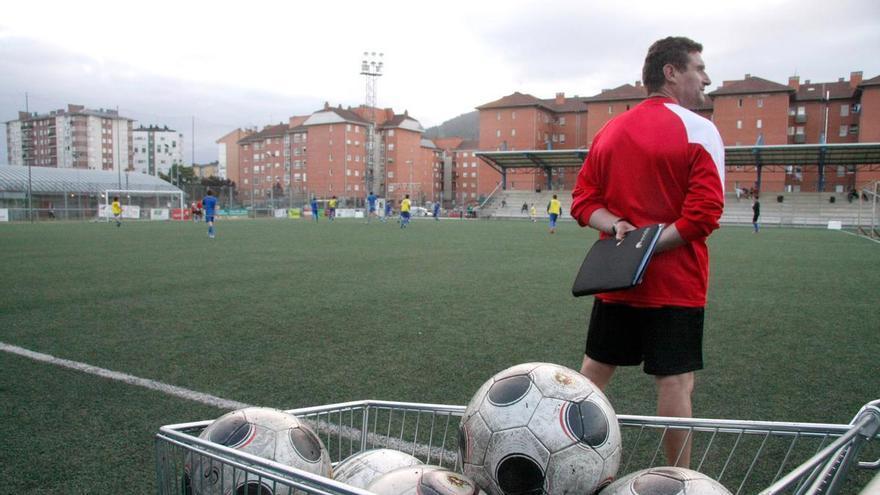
<point>234,64</point>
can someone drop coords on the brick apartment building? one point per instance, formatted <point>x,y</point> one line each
<point>747,111</point>
<point>466,179</point>
<point>229,161</point>
<point>74,138</point>
<point>325,154</point>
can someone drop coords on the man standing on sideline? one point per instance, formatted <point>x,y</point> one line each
<point>209,206</point>
<point>437,211</point>
<point>657,163</point>
<point>313,205</point>
<point>554,209</point>
<point>404,211</point>
<point>371,206</point>
<point>117,211</point>
<point>756,212</point>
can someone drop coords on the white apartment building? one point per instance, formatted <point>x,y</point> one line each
<point>74,138</point>
<point>156,149</point>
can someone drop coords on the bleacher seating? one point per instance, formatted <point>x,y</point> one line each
<point>796,209</point>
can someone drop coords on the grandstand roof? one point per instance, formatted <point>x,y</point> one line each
<point>791,154</point>
<point>72,180</point>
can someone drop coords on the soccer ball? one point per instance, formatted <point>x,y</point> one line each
<point>539,428</point>
<point>666,480</point>
<point>362,468</point>
<point>424,480</point>
<point>263,432</point>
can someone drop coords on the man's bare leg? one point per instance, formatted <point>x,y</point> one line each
<point>674,400</point>
<point>598,373</point>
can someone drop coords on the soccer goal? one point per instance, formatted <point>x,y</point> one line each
<point>867,224</point>
<point>143,205</point>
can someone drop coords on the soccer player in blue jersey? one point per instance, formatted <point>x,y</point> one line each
<point>209,206</point>
<point>371,206</point>
<point>387,210</point>
<point>437,211</point>
<point>314,207</point>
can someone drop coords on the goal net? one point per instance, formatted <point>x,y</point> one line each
<point>143,205</point>
<point>869,209</point>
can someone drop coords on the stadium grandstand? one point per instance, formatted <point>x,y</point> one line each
<point>785,208</point>
<point>77,194</point>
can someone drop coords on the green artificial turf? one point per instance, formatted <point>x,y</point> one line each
<point>289,314</point>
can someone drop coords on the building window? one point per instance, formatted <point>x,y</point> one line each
<point>739,103</point>
<point>513,132</point>
<point>390,174</point>
<point>854,129</point>
<point>791,130</point>
<point>843,130</point>
<point>513,114</point>
<point>760,102</point>
<point>562,138</point>
<point>498,133</point>
<point>561,120</point>
<point>759,123</point>
<point>610,109</point>
<point>844,110</point>
<point>739,124</point>
<point>498,115</point>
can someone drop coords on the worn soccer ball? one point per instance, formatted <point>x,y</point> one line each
<point>666,480</point>
<point>259,431</point>
<point>539,428</point>
<point>424,480</point>
<point>362,468</point>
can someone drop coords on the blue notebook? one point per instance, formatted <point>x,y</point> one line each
<point>616,265</point>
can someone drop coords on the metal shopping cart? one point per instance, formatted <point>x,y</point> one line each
<point>746,456</point>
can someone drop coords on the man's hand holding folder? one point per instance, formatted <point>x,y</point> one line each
<point>617,263</point>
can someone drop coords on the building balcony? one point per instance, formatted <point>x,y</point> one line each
<point>800,138</point>
<point>800,118</point>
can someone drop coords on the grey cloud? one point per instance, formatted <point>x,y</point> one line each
<point>54,77</point>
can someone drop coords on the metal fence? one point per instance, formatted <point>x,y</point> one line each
<point>745,456</point>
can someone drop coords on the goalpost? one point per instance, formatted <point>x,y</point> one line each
<point>143,205</point>
<point>868,200</point>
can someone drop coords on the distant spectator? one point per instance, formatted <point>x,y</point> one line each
<point>756,213</point>
<point>525,208</point>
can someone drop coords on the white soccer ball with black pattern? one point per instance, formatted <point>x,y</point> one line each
<point>362,468</point>
<point>666,481</point>
<point>424,480</point>
<point>539,428</point>
<point>259,431</point>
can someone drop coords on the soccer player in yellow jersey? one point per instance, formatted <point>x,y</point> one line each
<point>331,208</point>
<point>116,208</point>
<point>533,213</point>
<point>554,208</point>
<point>404,211</point>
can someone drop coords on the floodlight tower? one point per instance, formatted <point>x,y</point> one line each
<point>371,69</point>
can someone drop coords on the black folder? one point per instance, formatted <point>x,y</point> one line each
<point>616,265</point>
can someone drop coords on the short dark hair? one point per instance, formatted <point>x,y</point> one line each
<point>210,192</point>
<point>672,50</point>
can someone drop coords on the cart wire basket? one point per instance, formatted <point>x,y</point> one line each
<point>747,457</point>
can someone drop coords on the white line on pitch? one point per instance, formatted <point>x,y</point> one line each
<point>176,391</point>
<point>862,236</point>
<point>219,402</point>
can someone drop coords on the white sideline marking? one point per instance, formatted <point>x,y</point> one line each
<point>221,403</point>
<point>176,391</point>
<point>863,237</point>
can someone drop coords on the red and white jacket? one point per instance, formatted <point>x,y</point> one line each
<point>658,163</point>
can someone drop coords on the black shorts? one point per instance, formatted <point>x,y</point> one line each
<point>669,340</point>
